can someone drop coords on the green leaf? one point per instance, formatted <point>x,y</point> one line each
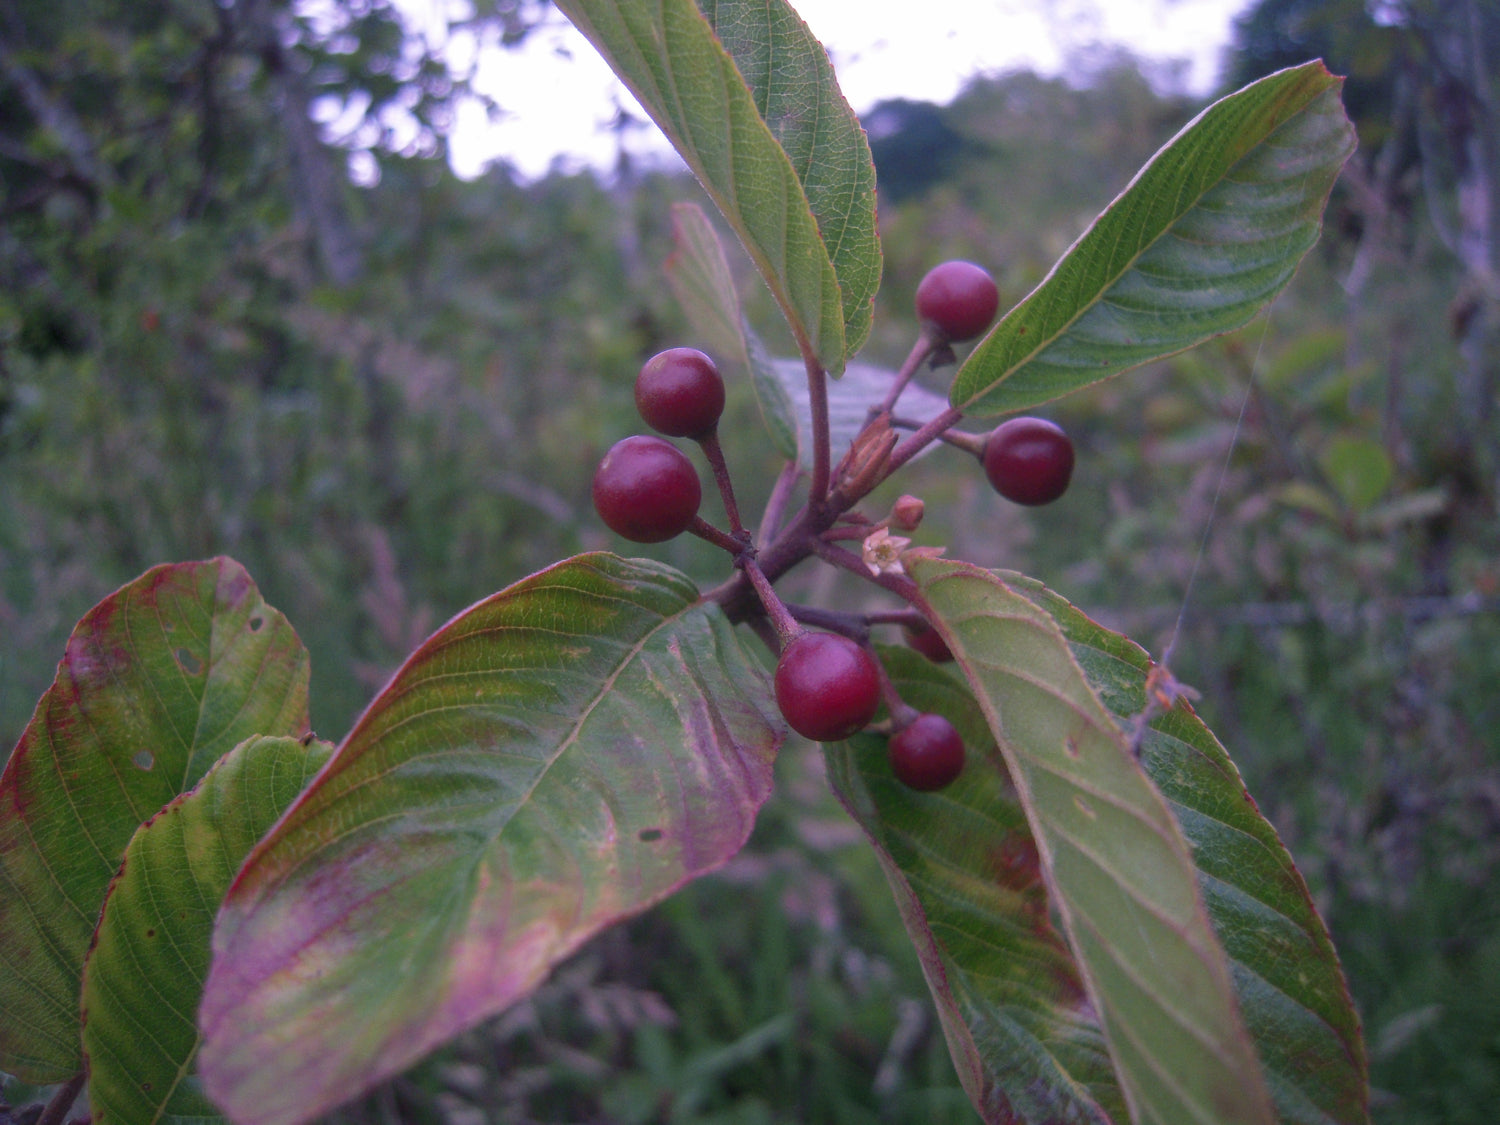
<point>965,870</point>
<point>968,882</point>
<point>1359,470</point>
<point>1303,360</point>
<point>1308,497</point>
<point>158,681</point>
<point>1117,866</point>
<point>849,401</point>
<point>798,97</point>
<point>558,757</point>
<point>698,273</point>
<point>666,52</point>
<point>144,976</point>
<point>1205,236</point>
<point>1286,973</point>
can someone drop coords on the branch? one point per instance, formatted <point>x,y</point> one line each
<point>852,625</point>
<point>817,398</point>
<point>898,584</point>
<point>56,118</point>
<point>62,1101</point>
<point>317,185</point>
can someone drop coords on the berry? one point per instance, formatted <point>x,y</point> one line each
<point>646,489</point>
<point>826,686</point>
<point>680,393</point>
<point>929,643</point>
<point>928,754</point>
<point>957,301</point>
<point>1028,460</point>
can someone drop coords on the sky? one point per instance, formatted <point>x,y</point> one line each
<point>558,96</point>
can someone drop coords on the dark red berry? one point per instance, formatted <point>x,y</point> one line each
<point>928,754</point>
<point>646,489</point>
<point>826,686</point>
<point>929,643</point>
<point>680,393</point>
<point>957,301</point>
<point>1029,460</point>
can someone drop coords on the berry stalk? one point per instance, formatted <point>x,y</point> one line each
<point>817,397</point>
<point>713,452</point>
<point>924,347</point>
<point>735,545</point>
<point>787,629</point>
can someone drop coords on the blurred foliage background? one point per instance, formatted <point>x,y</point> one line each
<point>224,329</point>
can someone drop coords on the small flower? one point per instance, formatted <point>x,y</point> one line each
<point>882,552</point>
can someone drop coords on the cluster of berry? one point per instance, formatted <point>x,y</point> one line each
<point>828,685</point>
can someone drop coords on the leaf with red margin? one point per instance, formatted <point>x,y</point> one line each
<point>557,758</point>
<point>159,680</point>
